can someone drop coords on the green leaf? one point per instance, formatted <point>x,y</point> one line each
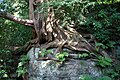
<point>104,61</point>
<point>61,56</point>
<point>108,59</point>
<point>85,77</point>
<point>5,75</point>
<point>83,55</point>
<point>20,64</point>
<point>104,78</point>
<point>49,51</point>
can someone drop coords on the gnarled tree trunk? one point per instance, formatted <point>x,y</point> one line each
<point>50,34</point>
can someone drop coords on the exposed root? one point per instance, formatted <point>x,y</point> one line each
<point>61,44</point>
<point>26,47</point>
<point>47,58</point>
<point>51,34</point>
<point>76,49</point>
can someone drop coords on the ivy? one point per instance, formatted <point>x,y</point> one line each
<point>44,52</point>
<point>21,69</point>
<point>61,56</point>
<point>104,61</point>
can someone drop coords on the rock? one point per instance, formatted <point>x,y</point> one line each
<point>52,70</point>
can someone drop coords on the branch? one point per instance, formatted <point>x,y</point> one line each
<point>15,19</point>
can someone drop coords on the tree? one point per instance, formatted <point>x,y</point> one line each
<point>48,32</point>
<point>55,24</point>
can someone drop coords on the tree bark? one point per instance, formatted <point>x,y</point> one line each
<point>9,16</point>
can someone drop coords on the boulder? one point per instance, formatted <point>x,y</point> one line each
<point>71,69</point>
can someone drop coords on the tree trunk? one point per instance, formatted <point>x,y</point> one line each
<point>50,34</point>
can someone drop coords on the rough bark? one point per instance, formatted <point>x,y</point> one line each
<point>9,16</point>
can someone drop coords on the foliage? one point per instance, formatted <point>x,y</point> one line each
<point>5,63</point>
<point>61,56</point>
<point>99,45</point>
<point>88,77</point>
<point>21,69</point>
<point>85,77</point>
<point>44,52</point>
<point>104,78</point>
<point>103,23</point>
<point>83,55</point>
<point>17,7</point>
<point>3,72</point>
<point>113,71</point>
<point>12,34</point>
<point>104,61</point>
<point>106,1</point>
<point>117,67</point>
<point>68,11</point>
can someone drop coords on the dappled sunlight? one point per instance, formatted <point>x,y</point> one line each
<point>72,33</point>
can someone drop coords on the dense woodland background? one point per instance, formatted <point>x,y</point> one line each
<point>98,21</point>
